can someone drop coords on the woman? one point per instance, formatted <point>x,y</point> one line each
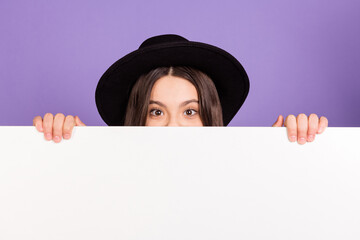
<point>170,81</point>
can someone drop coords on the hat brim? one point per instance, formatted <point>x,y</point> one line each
<point>231,81</point>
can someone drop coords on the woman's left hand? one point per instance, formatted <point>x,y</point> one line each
<point>302,128</point>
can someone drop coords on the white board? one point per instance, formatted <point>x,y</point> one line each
<point>179,183</point>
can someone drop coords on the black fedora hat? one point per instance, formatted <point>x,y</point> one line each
<point>114,87</point>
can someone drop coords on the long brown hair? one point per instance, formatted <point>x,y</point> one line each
<point>210,110</point>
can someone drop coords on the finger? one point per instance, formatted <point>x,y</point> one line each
<point>279,122</point>
<point>313,127</point>
<point>290,124</point>
<point>48,125</point>
<point>68,126</point>
<point>323,124</point>
<point>78,122</point>
<point>302,128</point>
<point>37,122</point>
<point>58,127</point>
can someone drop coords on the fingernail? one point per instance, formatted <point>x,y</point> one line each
<point>302,140</point>
<point>56,138</point>
<point>320,130</point>
<point>67,136</point>
<point>39,128</point>
<point>293,138</point>
<point>311,138</point>
<point>48,136</point>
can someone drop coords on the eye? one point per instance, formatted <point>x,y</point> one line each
<point>156,112</point>
<point>190,111</point>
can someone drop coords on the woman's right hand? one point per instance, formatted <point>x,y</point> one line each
<point>56,127</point>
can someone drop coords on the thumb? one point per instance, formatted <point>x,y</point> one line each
<point>78,122</point>
<point>279,122</point>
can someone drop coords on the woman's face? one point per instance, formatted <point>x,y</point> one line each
<point>173,102</point>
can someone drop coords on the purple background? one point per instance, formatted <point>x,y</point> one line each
<point>301,57</point>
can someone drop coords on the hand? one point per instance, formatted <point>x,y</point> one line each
<point>55,127</point>
<point>302,128</point>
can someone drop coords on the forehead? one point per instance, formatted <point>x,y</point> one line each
<point>171,88</point>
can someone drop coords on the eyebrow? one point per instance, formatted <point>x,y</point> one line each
<point>182,104</point>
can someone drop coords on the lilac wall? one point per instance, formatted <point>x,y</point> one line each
<point>301,56</point>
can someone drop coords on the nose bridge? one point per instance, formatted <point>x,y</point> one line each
<point>173,121</point>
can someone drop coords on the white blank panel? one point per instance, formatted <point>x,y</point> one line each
<point>179,183</point>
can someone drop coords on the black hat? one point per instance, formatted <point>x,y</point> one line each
<point>114,87</point>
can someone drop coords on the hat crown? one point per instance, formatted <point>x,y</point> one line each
<point>161,39</point>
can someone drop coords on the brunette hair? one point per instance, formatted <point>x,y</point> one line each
<point>210,110</point>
